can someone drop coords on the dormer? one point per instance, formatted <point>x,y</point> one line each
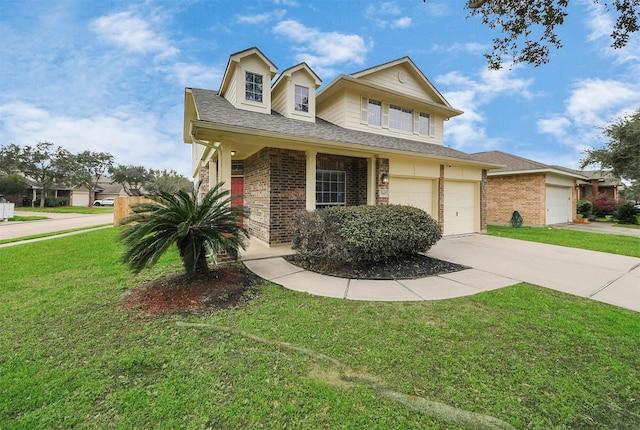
<point>246,81</point>
<point>293,94</point>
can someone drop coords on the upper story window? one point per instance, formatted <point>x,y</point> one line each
<point>424,124</point>
<point>400,118</point>
<point>253,87</point>
<point>301,102</point>
<point>375,112</point>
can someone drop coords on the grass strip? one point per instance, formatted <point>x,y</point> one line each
<point>27,218</point>
<point>69,209</point>
<point>609,243</point>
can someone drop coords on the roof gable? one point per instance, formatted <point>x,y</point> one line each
<point>404,76</point>
<point>299,68</point>
<point>236,59</point>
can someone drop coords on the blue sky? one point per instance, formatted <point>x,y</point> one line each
<point>110,75</point>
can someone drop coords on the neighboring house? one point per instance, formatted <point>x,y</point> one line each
<point>108,189</point>
<point>599,183</point>
<point>369,138</point>
<point>67,195</point>
<point>542,194</point>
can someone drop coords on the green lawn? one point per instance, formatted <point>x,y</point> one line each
<point>612,244</point>
<point>71,358</point>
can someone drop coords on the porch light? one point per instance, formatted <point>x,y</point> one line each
<point>384,179</point>
<point>233,153</point>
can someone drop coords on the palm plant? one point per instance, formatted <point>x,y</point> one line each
<point>196,228</point>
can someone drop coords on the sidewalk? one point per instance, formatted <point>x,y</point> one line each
<point>495,263</point>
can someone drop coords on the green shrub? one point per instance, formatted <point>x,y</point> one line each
<point>627,214</point>
<point>584,207</point>
<point>363,234</point>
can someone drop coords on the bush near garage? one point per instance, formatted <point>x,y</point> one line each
<point>584,208</point>
<point>604,206</point>
<point>627,214</point>
<point>357,234</point>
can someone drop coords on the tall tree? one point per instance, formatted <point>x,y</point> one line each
<point>621,153</point>
<point>168,181</point>
<point>86,168</point>
<point>10,159</point>
<point>529,27</point>
<point>132,178</point>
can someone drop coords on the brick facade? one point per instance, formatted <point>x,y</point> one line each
<point>356,175</point>
<point>525,193</point>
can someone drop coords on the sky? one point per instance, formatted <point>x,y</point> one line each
<point>110,76</point>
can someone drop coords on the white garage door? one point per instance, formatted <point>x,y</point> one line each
<point>415,192</point>
<point>80,198</point>
<point>558,205</point>
<point>459,207</point>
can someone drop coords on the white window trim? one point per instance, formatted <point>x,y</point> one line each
<point>262,95</point>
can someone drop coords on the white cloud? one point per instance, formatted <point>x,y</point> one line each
<point>467,48</point>
<point>262,18</point>
<point>556,126</point>
<point>600,23</point>
<point>132,137</point>
<point>292,3</point>
<point>323,50</point>
<point>134,34</point>
<point>386,14</point>
<point>471,95</point>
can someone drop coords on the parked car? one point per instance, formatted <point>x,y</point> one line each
<point>108,201</point>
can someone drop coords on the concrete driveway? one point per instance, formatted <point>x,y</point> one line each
<point>608,278</point>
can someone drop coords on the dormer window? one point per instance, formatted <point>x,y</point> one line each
<point>253,87</point>
<point>301,102</point>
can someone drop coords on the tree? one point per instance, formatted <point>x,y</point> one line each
<point>86,168</point>
<point>167,181</point>
<point>132,178</point>
<point>11,185</point>
<point>518,20</point>
<point>9,159</point>
<point>621,153</point>
<point>41,163</point>
<point>196,228</point>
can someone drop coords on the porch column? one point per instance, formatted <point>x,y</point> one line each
<point>224,166</point>
<point>441,198</point>
<point>311,181</point>
<point>371,181</point>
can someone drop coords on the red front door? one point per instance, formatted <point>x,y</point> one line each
<point>237,193</point>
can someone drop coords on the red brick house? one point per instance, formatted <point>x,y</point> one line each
<point>372,137</point>
<point>599,184</point>
<point>542,194</point>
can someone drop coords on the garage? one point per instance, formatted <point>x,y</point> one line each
<point>459,207</point>
<point>417,192</point>
<point>558,202</point>
<point>80,198</point>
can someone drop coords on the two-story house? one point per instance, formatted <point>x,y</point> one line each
<point>372,137</point>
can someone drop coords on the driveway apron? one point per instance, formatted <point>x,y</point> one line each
<point>609,278</point>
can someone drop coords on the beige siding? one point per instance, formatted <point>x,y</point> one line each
<point>562,181</point>
<point>253,64</point>
<point>279,99</point>
<point>412,85</point>
<point>333,111</point>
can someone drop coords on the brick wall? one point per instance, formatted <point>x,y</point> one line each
<point>288,192</point>
<point>524,193</point>
<point>356,175</point>
<point>256,194</point>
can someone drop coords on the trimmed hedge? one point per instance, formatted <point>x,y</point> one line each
<point>584,207</point>
<point>357,234</point>
<point>627,214</point>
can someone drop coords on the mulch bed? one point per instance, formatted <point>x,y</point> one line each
<point>415,266</point>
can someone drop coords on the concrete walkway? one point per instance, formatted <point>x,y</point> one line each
<point>495,263</point>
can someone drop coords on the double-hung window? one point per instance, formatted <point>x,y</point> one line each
<point>400,118</point>
<point>375,112</point>
<point>330,188</point>
<point>424,124</point>
<point>253,87</point>
<point>301,102</point>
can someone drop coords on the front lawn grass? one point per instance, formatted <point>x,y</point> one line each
<point>609,243</point>
<point>27,218</point>
<point>71,358</point>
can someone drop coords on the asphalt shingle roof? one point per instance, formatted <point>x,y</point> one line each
<point>215,109</point>
<point>513,163</point>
